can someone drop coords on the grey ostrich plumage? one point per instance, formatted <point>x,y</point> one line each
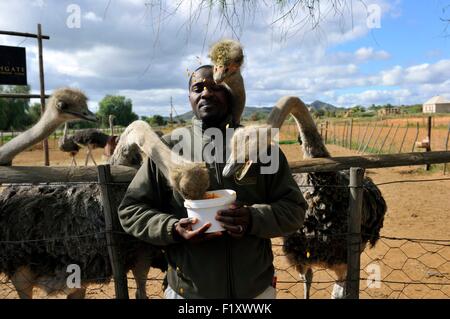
<point>68,145</point>
<point>91,137</point>
<point>61,225</point>
<point>322,238</point>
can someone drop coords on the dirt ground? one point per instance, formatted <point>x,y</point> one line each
<point>416,210</point>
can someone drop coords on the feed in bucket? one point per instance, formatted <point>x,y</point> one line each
<point>205,209</point>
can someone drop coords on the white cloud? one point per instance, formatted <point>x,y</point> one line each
<point>420,74</point>
<point>130,53</point>
<point>365,54</point>
<point>369,97</point>
<point>91,16</point>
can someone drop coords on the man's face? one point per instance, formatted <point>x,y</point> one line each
<point>208,100</point>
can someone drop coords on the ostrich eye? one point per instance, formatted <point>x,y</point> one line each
<point>61,105</point>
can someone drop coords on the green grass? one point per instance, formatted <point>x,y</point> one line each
<point>288,142</point>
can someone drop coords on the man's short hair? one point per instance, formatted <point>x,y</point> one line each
<point>205,66</point>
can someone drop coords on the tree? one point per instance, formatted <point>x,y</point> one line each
<point>34,112</point>
<point>257,116</point>
<point>120,107</point>
<point>14,112</point>
<point>358,109</point>
<point>318,112</point>
<point>156,120</point>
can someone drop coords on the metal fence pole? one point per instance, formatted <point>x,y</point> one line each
<point>113,228</point>
<point>343,134</point>
<point>354,232</point>
<point>393,139</point>
<point>363,138</point>
<point>404,138</point>
<point>370,138</point>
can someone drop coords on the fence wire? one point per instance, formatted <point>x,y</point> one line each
<point>398,267</point>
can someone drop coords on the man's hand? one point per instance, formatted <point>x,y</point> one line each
<point>236,220</point>
<point>183,229</point>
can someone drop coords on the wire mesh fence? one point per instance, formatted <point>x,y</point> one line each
<point>397,267</point>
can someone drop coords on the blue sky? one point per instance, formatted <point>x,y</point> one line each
<point>121,48</point>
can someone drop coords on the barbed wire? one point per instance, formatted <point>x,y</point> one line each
<point>66,183</point>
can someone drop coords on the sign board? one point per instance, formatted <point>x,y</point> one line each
<point>13,66</point>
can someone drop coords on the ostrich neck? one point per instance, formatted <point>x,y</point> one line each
<point>66,128</point>
<point>236,85</point>
<point>312,143</point>
<point>141,135</point>
<point>47,124</point>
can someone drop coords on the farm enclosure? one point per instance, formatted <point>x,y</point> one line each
<point>409,268</point>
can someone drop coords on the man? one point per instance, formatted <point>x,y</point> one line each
<point>237,263</point>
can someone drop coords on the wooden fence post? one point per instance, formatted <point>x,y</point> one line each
<point>446,146</point>
<point>354,232</point>
<point>113,229</point>
<point>428,149</point>
<point>415,139</point>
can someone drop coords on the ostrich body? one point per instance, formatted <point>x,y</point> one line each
<point>64,105</point>
<point>228,57</point>
<point>66,144</point>
<point>73,215</point>
<point>321,241</point>
<point>91,139</point>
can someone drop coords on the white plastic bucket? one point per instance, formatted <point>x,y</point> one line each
<point>205,209</point>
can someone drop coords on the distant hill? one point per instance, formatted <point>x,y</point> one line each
<point>316,105</point>
<point>319,105</point>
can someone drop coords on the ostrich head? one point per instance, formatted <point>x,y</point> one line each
<point>245,145</point>
<point>227,57</point>
<point>69,104</point>
<point>192,180</point>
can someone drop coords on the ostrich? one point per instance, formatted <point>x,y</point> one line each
<point>64,105</point>
<point>75,212</point>
<point>91,139</point>
<point>320,242</point>
<point>188,178</point>
<point>67,145</point>
<point>112,139</point>
<point>228,57</point>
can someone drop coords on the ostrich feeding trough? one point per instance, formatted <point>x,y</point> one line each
<point>205,209</point>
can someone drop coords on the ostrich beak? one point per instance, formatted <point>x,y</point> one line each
<point>219,74</point>
<point>85,115</point>
<point>238,169</point>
